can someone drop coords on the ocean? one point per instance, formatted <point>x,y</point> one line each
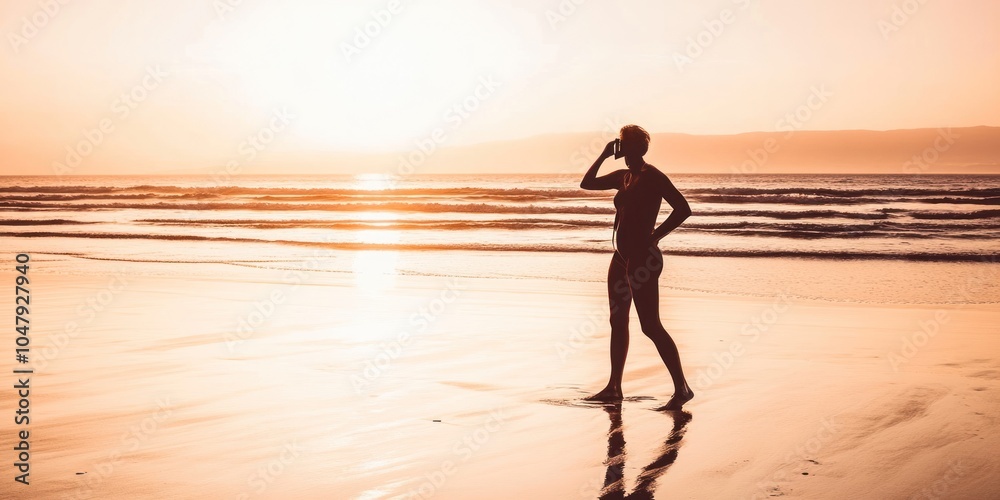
<point>944,218</point>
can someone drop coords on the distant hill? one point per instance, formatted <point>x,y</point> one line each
<point>932,151</point>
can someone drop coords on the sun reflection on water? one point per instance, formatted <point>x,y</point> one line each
<point>373,182</point>
<point>375,270</point>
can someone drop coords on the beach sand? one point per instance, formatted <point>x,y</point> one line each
<point>203,380</point>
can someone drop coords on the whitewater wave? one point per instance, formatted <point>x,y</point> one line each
<point>329,207</point>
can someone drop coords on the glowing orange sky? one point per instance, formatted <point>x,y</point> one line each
<point>203,78</point>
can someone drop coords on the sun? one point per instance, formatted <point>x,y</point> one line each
<point>392,87</point>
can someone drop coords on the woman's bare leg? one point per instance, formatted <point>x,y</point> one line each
<point>620,302</point>
<point>644,281</point>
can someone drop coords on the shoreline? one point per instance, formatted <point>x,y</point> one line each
<point>832,256</point>
<point>841,281</point>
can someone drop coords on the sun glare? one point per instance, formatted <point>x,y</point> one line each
<point>359,91</point>
<point>387,217</point>
<point>375,271</point>
<point>377,236</point>
<point>373,182</point>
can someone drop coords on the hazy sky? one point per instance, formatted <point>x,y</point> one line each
<point>152,84</point>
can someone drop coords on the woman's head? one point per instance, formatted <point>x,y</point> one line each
<point>635,142</point>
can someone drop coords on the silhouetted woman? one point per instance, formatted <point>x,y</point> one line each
<point>637,261</point>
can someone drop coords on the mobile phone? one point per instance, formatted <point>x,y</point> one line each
<point>618,148</point>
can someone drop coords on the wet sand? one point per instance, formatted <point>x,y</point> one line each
<point>207,380</point>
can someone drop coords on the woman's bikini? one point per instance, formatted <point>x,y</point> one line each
<point>623,203</point>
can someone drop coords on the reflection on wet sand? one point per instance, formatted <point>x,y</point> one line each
<point>645,484</point>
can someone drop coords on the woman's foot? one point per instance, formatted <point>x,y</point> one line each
<point>678,400</point>
<point>607,395</point>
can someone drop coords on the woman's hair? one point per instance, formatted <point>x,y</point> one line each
<point>636,137</point>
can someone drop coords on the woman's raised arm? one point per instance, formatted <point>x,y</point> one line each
<point>610,181</point>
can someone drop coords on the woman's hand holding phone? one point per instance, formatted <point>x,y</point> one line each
<point>613,149</point>
<point>609,150</point>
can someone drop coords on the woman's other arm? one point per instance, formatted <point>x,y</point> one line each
<point>679,205</point>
